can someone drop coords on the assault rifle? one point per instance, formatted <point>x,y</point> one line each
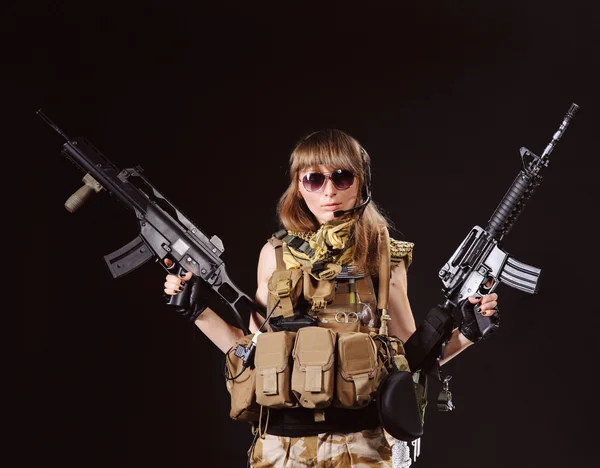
<point>165,232</point>
<point>480,264</point>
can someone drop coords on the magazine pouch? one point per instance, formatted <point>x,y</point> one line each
<point>273,361</point>
<point>357,370</point>
<point>313,372</point>
<point>242,387</point>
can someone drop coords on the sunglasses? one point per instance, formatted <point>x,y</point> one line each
<point>315,181</point>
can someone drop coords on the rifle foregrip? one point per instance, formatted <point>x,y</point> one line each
<point>511,205</point>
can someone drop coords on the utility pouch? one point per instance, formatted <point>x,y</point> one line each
<point>313,373</point>
<point>342,317</point>
<point>318,291</point>
<point>357,370</point>
<point>273,369</point>
<point>284,286</point>
<point>242,387</point>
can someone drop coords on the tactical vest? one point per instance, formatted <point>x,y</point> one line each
<point>337,363</point>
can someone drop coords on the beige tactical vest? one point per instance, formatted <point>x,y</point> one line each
<point>338,363</point>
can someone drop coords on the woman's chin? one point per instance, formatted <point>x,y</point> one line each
<point>329,217</point>
<point>326,217</point>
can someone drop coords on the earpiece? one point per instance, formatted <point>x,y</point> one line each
<point>366,189</point>
<point>367,173</point>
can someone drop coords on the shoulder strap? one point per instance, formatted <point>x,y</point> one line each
<point>278,246</point>
<point>384,277</point>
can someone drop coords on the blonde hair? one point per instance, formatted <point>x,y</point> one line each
<point>337,150</point>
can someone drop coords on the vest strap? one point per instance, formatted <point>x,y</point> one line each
<point>269,381</point>
<point>361,385</point>
<point>314,377</point>
<point>278,246</point>
<point>384,278</point>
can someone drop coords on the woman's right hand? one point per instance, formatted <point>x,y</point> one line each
<point>173,283</point>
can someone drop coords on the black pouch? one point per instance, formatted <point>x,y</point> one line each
<point>398,406</point>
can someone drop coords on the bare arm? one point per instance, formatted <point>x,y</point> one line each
<point>456,345</point>
<point>267,264</point>
<point>402,323</point>
<point>222,334</point>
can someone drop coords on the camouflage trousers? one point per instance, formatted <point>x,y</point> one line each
<point>365,449</point>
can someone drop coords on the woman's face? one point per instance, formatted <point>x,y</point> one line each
<point>324,202</point>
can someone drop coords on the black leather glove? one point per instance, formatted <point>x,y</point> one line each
<point>469,327</point>
<point>192,302</point>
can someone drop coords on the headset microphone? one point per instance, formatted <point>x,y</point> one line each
<point>366,187</point>
<point>339,213</point>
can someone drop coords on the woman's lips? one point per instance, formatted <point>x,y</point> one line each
<point>331,207</point>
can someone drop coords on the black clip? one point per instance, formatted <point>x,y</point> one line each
<point>317,268</point>
<point>245,354</point>
<point>444,402</point>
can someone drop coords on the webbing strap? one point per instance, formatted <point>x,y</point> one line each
<point>384,278</point>
<point>313,378</point>
<point>283,285</point>
<point>299,244</point>
<point>384,268</point>
<point>269,381</point>
<point>278,246</point>
<point>361,385</point>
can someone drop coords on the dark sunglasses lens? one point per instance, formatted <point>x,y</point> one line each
<point>313,181</point>
<point>342,179</point>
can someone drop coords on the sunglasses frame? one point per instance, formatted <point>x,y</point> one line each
<point>328,176</point>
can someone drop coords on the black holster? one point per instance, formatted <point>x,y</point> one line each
<point>398,407</point>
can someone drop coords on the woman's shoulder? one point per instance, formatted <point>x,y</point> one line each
<point>401,250</point>
<point>267,261</point>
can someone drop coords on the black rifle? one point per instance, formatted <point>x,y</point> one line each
<point>480,263</point>
<point>164,230</point>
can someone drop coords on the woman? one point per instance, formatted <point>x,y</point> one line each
<point>331,230</point>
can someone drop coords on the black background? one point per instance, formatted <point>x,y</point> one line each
<point>210,101</point>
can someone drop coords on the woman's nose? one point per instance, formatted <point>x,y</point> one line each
<point>329,188</point>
